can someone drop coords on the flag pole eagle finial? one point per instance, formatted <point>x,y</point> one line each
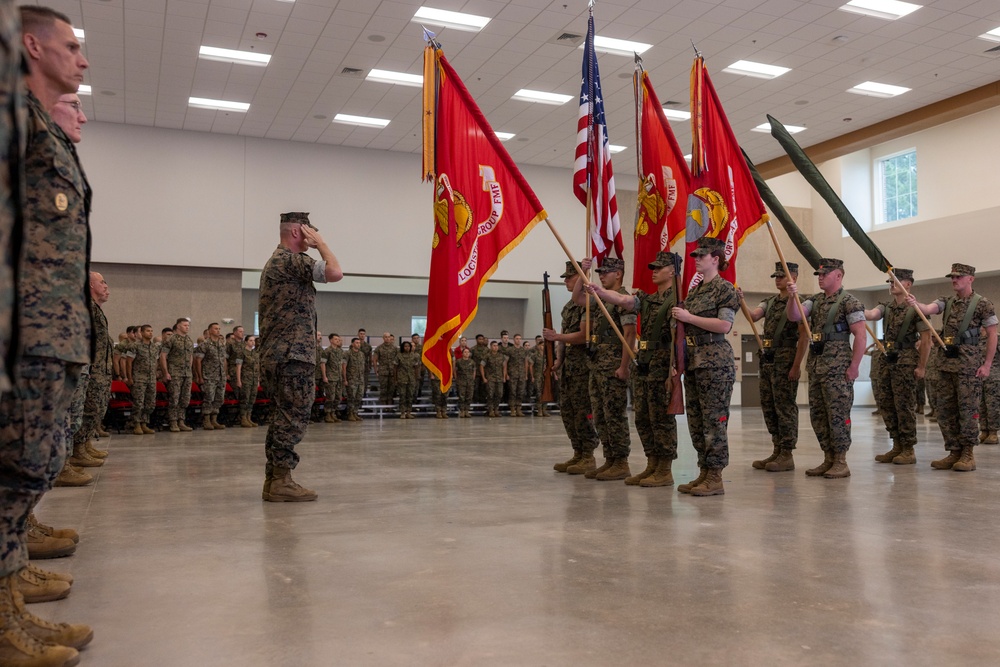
<point>430,37</point>
<point>697,53</point>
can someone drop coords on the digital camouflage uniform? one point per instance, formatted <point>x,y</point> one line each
<point>180,353</point>
<point>144,380</point>
<point>537,360</point>
<point>710,372</point>
<point>234,355</point>
<point>831,394</point>
<point>287,307</point>
<point>479,353</point>
<point>407,367</point>
<point>574,386</point>
<point>609,394</point>
<point>78,401</point>
<point>213,374</point>
<point>657,429</point>
<point>356,374</point>
<point>876,372</point>
<point>465,383</point>
<point>989,405</point>
<point>958,391</point>
<point>366,349</point>
<point>439,399</point>
<point>249,362</point>
<point>333,356</point>
<point>517,373</point>
<point>54,329</point>
<point>386,354</point>
<point>897,386</point>
<point>778,393</point>
<point>13,115</point>
<point>493,368</point>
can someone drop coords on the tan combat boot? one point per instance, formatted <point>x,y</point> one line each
<point>608,462</point>
<point>982,436</point>
<point>662,476</point>
<point>101,433</point>
<point>618,470</point>
<point>284,489</point>
<point>562,467</point>
<point>783,463</point>
<point>244,421</point>
<point>889,455</point>
<point>182,425</point>
<point>686,488</point>
<point>72,476</point>
<point>206,423</point>
<point>36,587</point>
<point>137,429</point>
<point>42,546</point>
<point>216,424</point>
<point>19,648</point>
<point>821,469</point>
<point>174,428</point>
<point>947,462</point>
<point>906,457</point>
<point>62,634</point>
<point>60,533</point>
<point>711,485</point>
<point>94,452</point>
<point>839,468</point>
<point>81,458</point>
<point>966,462</point>
<point>651,463</point>
<point>327,418</point>
<point>584,466</point>
<point>147,431</point>
<point>762,464</point>
<point>991,438</point>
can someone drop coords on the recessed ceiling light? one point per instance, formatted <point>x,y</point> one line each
<point>84,89</point>
<point>233,56</point>
<point>79,33</point>
<point>504,136</point>
<point>614,148</point>
<point>991,35</point>
<point>758,70</point>
<point>446,19</point>
<point>618,47</point>
<point>219,105</point>
<point>873,89</point>
<point>541,96</point>
<point>883,9</point>
<point>676,114</point>
<point>402,78</point>
<point>363,121</point>
<point>766,127</point>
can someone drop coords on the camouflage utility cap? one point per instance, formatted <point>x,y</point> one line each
<point>779,271</point>
<point>301,218</point>
<point>707,245</point>
<point>902,274</point>
<point>828,264</point>
<point>612,264</point>
<point>664,258</point>
<point>570,270</point>
<point>961,270</point>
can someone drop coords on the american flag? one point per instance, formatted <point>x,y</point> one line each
<point>593,158</point>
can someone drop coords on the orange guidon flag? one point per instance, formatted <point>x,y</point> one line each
<point>664,183</point>
<point>724,202</point>
<point>483,207</point>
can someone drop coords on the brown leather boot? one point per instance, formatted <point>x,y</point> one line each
<point>839,468</point>
<point>36,587</point>
<point>662,476</point>
<point>604,466</point>
<point>81,458</point>
<point>147,431</point>
<point>711,485</point>
<point>651,463</point>
<point>561,467</point>
<point>906,457</point>
<point>18,647</point>
<point>618,470</point>
<point>206,423</point>
<point>60,533</point>
<point>783,463</point>
<point>822,467</point>
<point>216,424</point>
<point>947,462</point>
<point>584,466</point>
<point>890,455</point>
<point>72,476</point>
<point>686,488</point>
<point>762,464</point>
<point>966,462</point>
<point>284,489</point>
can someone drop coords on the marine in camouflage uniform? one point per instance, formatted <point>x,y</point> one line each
<point>143,387</point>
<point>366,349</point>
<point>248,379</point>
<point>13,116</point>
<point>287,307</point>
<point>211,356</point>
<point>234,352</point>
<point>517,373</point>
<point>573,368</point>
<point>708,313</point>
<point>479,352</point>
<point>536,365</point>
<point>780,369</point>
<point>176,357</point>
<point>493,371</point>
<point>355,365</point>
<point>333,357</point>
<point>407,369</point>
<point>907,347</point>
<point>961,366</point>
<point>610,368</point>
<point>989,405</point>
<point>384,358</point>
<point>876,373</point>
<point>832,364</point>
<point>465,381</point>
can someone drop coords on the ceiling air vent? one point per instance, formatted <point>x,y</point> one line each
<point>568,39</point>
<point>353,72</point>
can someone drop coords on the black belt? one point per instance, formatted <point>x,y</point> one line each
<point>893,346</point>
<point>653,345</point>
<point>964,339</point>
<point>769,343</point>
<point>598,340</point>
<point>838,335</point>
<point>704,339</point>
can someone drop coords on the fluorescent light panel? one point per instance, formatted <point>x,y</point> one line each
<point>233,56</point>
<point>757,70</point>
<point>676,114</point>
<point>84,89</point>
<point>504,136</point>
<point>541,96</point>
<point>401,78</point>
<point>363,121</point>
<point>218,105</point>
<point>766,127</point>
<point>873,89</point>
<point>615,148</point>
<point>619,47</point>
<point>446,19</point>
<point>883,9</point>
<point>991,35</point>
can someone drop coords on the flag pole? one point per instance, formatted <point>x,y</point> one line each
<point>586,281</point>
<point>934,333</point>
<point>753,325</point>
<point>784,267</point>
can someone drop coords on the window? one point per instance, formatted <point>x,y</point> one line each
<point>896,186</point>
<point>418,325</point>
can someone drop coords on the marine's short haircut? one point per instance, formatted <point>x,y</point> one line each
<point>35,19</point>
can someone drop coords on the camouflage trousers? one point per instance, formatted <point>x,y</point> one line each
<point>657,430</point>
<point>355,394</point>
<point>517,386</point>
<point>608,403</point>
<point>179,397</point>
<point>292,389</point>
<point>706,401</point>
<point>213,395</point>
<point>989,405</point>
<point>466,386</point>
<point>957,399</point>
<point>78,400</point>
<point>830,400</point>
<point>494,394</point>
<point>334,391</point>
<point>386,388</point>
<point>897,401</point>
<point>94,407</point>
<point>407,392</point>
<point>438,397</point>
<point>248,395</point>
<point>539,385</point>
<point>574,408</point>
<point>778,402</point>
<point>143,399</point>
<point>480,392</point>
<point>34,423</point>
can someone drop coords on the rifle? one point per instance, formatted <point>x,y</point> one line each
<point>550,347</point>
<point>676,406</point>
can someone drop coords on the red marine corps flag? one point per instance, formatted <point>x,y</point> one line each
<point>724,202</point>
<point>664,183</point>
<point>483,207</point>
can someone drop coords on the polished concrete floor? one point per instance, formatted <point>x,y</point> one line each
<point>454,543</point>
